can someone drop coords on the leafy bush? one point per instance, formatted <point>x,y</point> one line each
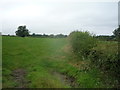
<point>105,57</point>
<point>82,42</point>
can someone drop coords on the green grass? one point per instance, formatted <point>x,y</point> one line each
<point>40,57</point>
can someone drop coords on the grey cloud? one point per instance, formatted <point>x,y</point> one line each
<point>62,17</point>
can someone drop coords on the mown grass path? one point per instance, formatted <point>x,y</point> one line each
<point>38,56</point>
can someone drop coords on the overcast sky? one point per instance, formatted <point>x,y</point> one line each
<point>59,16</point>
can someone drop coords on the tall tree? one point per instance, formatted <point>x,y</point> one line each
<point>22,31</point>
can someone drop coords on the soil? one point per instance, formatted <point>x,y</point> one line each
<point>66,80</point>
<point>19,78</point>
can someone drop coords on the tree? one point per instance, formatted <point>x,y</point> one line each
<point>116,32</point>
<point>33,34</point>
<point>22,31</point>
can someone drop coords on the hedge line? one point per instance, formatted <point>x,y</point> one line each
<point>102,54</point>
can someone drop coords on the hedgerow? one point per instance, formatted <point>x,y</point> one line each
<point>82,42</point>
<point>102,54</point>
<point>105,57</point>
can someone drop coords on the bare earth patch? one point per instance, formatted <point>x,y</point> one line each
<point>70,81</point>
<point>19,78</point>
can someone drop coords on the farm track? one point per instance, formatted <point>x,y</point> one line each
<point>19,77</point>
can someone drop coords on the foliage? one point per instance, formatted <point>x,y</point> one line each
<point>82,42</point>
<point>105,57</point>
<point>116,32</point>
<point>106,38</point>
<point>22,31</point>
<point>49,36</point>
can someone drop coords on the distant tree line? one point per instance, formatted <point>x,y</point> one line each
<point>106,37</point>
<point>114,37</point>
<point>42,35</point>
<point>51,35</point>
<point>22,31</point>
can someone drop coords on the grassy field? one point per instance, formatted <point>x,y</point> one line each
<point>46,63</point>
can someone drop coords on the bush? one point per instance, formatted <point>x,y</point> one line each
<point>82,42</point>
<point>105,57</point>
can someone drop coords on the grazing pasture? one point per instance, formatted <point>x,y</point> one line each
<point>47,63</point>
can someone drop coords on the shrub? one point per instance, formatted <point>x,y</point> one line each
<point>82,42</point>
<point>105,57</point>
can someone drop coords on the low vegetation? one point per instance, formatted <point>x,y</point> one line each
<point>105,57</point>
<point>80,60</point>
<point>102,54</point>
<point>51,63</point>
<point>82,42</point>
